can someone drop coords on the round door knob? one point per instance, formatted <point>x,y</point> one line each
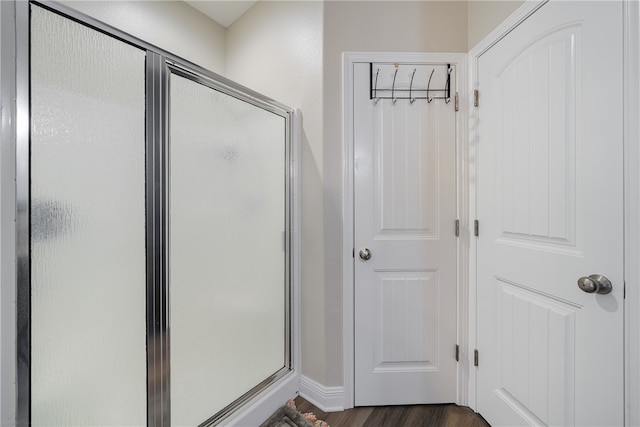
<point>595,284</point>
<point>365,254</point>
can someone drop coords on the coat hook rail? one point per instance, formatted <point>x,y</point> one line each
<point>415,83</point>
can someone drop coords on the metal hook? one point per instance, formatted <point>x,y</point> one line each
<point>411,99</point>
<point>429,86</point>
<point>393,87</point>
<point>448,85</point>
<point>375,89</point>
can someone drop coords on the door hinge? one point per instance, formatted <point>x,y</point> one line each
<point>476,96</point>
<point>457,353</point>
<point>475,357</point>
<point>457,228</point>
<point>457,102</point>
<point>353,253</point>
<point>476,228</point>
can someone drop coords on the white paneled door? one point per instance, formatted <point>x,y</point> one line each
<point>405,210</point>
<point>551,211</point>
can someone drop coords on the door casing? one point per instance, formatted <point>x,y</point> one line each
<point>459,60</point>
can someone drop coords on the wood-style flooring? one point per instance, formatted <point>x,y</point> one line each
<point>397,416</point>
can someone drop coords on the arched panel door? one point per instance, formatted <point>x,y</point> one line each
<point>550,206</point>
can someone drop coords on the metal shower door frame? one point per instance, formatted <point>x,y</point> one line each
<point>159,65</point>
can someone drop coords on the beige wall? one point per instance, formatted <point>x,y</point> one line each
<point>171,25</point>
<point>484,16</point>
<point>276,49</point>
<point>392,26</point>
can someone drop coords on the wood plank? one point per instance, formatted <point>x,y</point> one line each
<point>449,415</point>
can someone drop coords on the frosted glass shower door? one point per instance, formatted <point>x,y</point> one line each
<point>87,198</point>
<point>228,251</point>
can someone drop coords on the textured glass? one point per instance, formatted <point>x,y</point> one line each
<point>88,355</point>
<point>227,254</point>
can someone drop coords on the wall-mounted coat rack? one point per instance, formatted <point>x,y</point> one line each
<point>410,81</point>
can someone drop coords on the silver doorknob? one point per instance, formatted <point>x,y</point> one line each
<point>365,254</point>
<point>595,284</point>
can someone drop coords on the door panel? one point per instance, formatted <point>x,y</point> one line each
<point>228,253</point>
<point>405,207</point>
<point>535,352</point>
<point>539,148</point>
<point>550,208</point>
<point>88,258</point>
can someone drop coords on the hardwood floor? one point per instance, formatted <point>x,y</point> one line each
<point>397,416</point>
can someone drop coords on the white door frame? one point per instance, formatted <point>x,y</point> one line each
<point>631,36</point>
<point>348,333</point>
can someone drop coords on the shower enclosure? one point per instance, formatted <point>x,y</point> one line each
<point>155,232</point>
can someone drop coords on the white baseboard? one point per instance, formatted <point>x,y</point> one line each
<point>266,403</point>
<point>328,399</point>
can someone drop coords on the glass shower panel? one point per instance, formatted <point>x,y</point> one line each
<point>88,348</point>
<point>227,248</point>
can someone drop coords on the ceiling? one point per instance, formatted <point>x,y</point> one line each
<point>223,12</point>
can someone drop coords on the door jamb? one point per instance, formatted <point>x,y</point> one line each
<point>348,300</point>
<point>631,90</point>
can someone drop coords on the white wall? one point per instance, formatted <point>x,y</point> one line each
<point>170,25</point>
<point>276,49</point>
<point>484,16</point>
